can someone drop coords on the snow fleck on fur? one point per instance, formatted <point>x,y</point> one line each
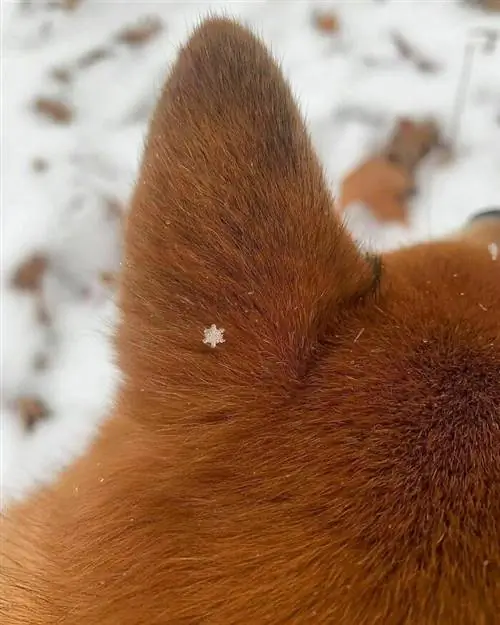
<point>493,250</point>
<point>213,336</point>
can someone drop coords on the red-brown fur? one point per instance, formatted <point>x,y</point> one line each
<point>336,460</point>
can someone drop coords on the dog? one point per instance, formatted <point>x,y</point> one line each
<point>304,433</point>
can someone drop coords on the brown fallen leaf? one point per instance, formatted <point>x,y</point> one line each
<point>491,5</point>
<point>31,410</point>
<point>93,57</point>
<point>383,187</point>
<point>69,5</point>
<point>141,33</point>
<point>55,110</point>
<point>29,275</point>
<point>326,22</point>
<point>411,141</point>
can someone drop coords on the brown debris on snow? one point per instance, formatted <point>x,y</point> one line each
<point>140,33</point>
<point>31,410</point>
<point>39,165</point>
<point>54,110</point>
<point>385,182</point>
<point>68,5</point>
<point>96,55</point>
<point>444,154</point>
<point>108,279</point>
<point>411,141</point>
<point>115,213</point>
<point>326,22</point>
<point>61,74</point>
<point>42,312</point>
<point>114,208</point>
<point>29,275</point>
<point>488,5</point>
<point>64,5</point>
<point>93,57</point>
<point>40,362</point>
<point>409,52</point>
<point>382,186</point>
<point>491,37</point>
<point>71,5</point>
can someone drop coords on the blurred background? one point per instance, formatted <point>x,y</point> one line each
<point>402,100</point>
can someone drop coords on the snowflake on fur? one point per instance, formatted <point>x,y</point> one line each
<point>213,336</point>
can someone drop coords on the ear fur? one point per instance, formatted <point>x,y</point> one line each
<point>231,224</point>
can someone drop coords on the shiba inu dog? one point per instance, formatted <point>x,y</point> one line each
<point>304,433</point>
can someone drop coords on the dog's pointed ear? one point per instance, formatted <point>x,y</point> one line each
<point>231,227</point>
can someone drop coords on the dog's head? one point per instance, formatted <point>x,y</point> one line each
<point>331,419</point>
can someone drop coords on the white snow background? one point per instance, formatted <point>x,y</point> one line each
<point>351,87</point>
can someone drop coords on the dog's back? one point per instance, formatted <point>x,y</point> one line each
<point>304,434</point>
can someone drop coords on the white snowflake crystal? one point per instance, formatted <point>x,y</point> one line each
<point>493,250</point>
<point>213,336</point>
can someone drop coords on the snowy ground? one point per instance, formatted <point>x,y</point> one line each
<point>63,185</point>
